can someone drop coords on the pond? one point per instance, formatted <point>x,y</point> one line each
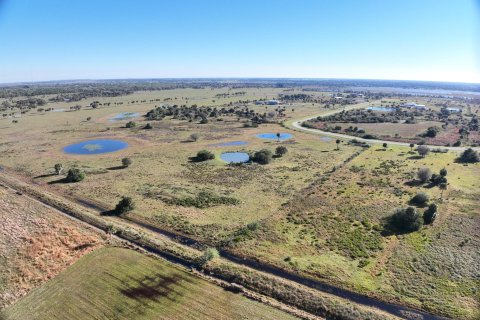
<point>273,136</point>
<point>230,143</point>
<point>326,139</point>
<point>235,157</point>
<point>95,147</point>
<point>385,109</point>
<point>125,116</point>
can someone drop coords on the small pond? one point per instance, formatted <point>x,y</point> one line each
<point>273,136</point>
<point>58,110</point>
<point>326,139</point>
<point>125,116</point>
<point>230,144</point>
<point>385,109</point>
<point>235,157</point>
<point>95,147</point>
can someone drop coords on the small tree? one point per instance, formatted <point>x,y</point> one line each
<point>204,155</point>
<point>338,144</point>
<point>148,126</point>
<point>194,137</point>
<point>126,162</point>
<point>423,150</point>
<point>58,168</point>
<point>412,145</point>
<point>208,255</point>
<point>443,186</point>
<point>430,214</point>
<point>124,206</point>
<point>281,150</point>
<point>278,136</point>
<point>443,172</point>
<point>385,145</point>
<point>424,174</point>
<point>263,156</point>
<point>469,156</point>
<point>75,175</point>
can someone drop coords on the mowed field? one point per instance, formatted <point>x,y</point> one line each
<point>118,283</point>
<point>317,211</point>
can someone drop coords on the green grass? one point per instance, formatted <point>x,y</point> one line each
<point>117,283</point>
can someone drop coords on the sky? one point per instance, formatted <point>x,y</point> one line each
<point>435,40</point>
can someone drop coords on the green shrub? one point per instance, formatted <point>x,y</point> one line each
<point>124,206</point>
<point>430,214</point>
<point>208,255</point>
<point>424,174</point>
<point>262,157</point>
<point>281,150</point>
<point>126,162</point>
<point>130,124</point>
<point>204,155</point>
<point>406,220</point>
<point>420,199</point>
<point>75,175</point>
<point>203,200</point>
<point>469,156</point>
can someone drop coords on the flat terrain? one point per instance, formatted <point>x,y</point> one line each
<point>318,211</point>
<point>36,244</point>
<point>117,283</point>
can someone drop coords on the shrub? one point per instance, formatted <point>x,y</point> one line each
<point>430,214</point>
<point>75,175</point>
<point>424,174</point>
<point>385,145</point>
<point>262,157</point>
<point>406,219</point>
<point>208,255</point>
<point>281,150</point>
<point>130,124</point>
<point>125,205</point>
<point>204,155</point>
<point>431,132</point>
<point>58,168</point>
<point>148,126</point>
<point>420,199</point>
<point>443,172</point>
<point>126,162</point>
<point>469,156</point>
<point>437,179</point>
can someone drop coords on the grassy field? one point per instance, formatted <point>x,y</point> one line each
<point>117,283</point>
<point>36,244</point>
<point>317,210</point>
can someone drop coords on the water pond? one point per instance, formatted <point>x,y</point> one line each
<point>235,157</point>
<point>230,144</point>
<point>273,136</point>
<point>125,116</point>
<point>95,147</point>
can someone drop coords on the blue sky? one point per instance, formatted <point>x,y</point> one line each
<point>98,39</point>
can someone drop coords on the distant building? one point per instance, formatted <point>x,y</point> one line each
<point>272,102</point>
<point>454,110</point>
<point>413,105</point>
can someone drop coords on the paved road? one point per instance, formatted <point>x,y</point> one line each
<point>297,124</point>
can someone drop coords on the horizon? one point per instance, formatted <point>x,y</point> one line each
<point>110,40</point>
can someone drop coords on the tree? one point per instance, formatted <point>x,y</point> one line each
<point>443,172</point>
<point>194,137</point>
<point>385,145</point>
<point>58,168</point>
<point>263,156</point>
<point>75,175</point>
<point>443,187</point>
<point>431,132</point>
<point>469,156</point>
<point>412,145</point>
<point>208,255</point>
<point>130,124</point>
<point>148,126</point>
<point>406,219</point>
<point>338,144</point>
<point>420,199</point>
<point>126,162</point>
<point>278,136</point>
<point>430,214</point>
<point>281,150</point>
<point>423,151</point>
<point>424,174</point>
<point>204,155</point>
<point>124,206</point>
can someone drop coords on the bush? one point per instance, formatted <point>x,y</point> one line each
<point>208,255</point>
<point>406,220</point>
<point>420,199</point>
<point>126,162</point>
<point>431,132</point>
<point>204,155</point>
<point>430,214</point>
<point>423,150</point>
<point>130,124</point>
<point>148,126</point>
<point>75,175</point>
<point>262,157</point>
<point>469,156</point>
<point>424,174</point>
<point>125,205</point>
<point>194,137</point>
<point>281,150</point>
<point>58,168</point>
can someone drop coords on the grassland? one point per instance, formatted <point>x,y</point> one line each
<point>117,283</point>
<point>317,211</point>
